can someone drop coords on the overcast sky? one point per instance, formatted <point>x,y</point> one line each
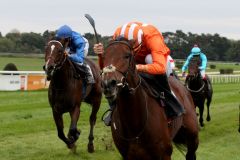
<point>196,16</point>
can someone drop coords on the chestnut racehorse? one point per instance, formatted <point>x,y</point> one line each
<point>140,127</point>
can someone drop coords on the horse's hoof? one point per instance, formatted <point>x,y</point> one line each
<point>90,148</point>
<point>73,149</point>
<point>202,125</point>
<point>208,119</point>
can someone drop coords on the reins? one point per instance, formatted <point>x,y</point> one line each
<point>132,90</point>
<point>196,91</point>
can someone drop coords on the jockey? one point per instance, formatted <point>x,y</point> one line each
<point>148,40</point>
<point>77,49</point>
<point>196,51</point>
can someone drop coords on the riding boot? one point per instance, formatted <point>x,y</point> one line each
<point>88,74</point>
<point>173,107</point>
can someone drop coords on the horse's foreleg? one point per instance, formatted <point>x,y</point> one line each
<point>209,99</point>
<point>59,123</point>
<point>201,110</point>
<point>92,121</point>
<point>74,133</point>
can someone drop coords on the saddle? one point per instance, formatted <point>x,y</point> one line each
<point>79,70</point>
<point>157,86</point>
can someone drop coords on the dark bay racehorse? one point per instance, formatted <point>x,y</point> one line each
<point>140,128</point>
<point>66,92</point>
<point>199,89</point>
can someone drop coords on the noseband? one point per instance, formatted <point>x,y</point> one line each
<point>111,69</point>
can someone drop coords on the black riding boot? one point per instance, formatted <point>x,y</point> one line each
<point>173,107</point>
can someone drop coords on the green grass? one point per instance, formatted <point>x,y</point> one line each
<point>32,63</point>
<point>23,64</point>
<point>27,129</point>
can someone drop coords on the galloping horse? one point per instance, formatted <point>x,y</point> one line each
<point>140,128</point>
<point>198,88</point>
<point>66,92</point>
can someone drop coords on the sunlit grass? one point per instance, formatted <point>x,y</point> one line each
<point>27,129</point>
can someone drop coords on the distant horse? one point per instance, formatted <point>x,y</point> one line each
<point>140,128</point>
<point>198,88</point>
<point>66,92</point>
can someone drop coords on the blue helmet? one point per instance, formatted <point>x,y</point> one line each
<point>64,32</point>
<point>196,50</point>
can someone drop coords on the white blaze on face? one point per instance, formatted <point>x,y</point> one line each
<point>52,48</point>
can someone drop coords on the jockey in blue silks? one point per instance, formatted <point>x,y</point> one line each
<point>77,48</point>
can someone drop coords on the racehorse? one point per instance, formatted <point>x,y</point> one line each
<point>66,92</point>
<point>140,127</point>
<point>200,91</point>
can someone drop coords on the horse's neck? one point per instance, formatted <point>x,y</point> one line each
<point>132,106</point>
<point>196,82</point>
<point>64,75</point>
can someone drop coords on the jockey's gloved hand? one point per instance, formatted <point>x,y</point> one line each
<point>98,48</point>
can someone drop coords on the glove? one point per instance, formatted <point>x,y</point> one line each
<point>98,48</point>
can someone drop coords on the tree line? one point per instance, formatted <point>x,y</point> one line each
<point>216,48</point>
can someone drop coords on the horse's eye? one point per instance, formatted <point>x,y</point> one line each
<point>127,56</point>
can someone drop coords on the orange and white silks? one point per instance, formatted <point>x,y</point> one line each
<point>151,42</point>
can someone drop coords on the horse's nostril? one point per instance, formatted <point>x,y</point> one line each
<point>44,67</point>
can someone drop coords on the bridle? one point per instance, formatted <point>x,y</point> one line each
<point>111,69</point>
<point>195,76</point>
<point>57,65</point>
<point>124,84</point>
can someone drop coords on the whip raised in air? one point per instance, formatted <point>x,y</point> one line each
<point>91,21</point>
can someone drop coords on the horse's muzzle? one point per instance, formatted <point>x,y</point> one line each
<point>110,89</point>
<point>49,71</point>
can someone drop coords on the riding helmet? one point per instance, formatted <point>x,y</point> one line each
<point>196,50</point>
<point>64,32</point>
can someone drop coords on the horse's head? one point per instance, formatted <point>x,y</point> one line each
<point>118,62</point>
<point>55,56</point>
<point>193,69</point>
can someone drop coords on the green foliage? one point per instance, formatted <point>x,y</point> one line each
<point>27,129</point>
<point>212,66</point>
<point>226,71</point>
<point>214,46</point>
<point>10,67</point>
